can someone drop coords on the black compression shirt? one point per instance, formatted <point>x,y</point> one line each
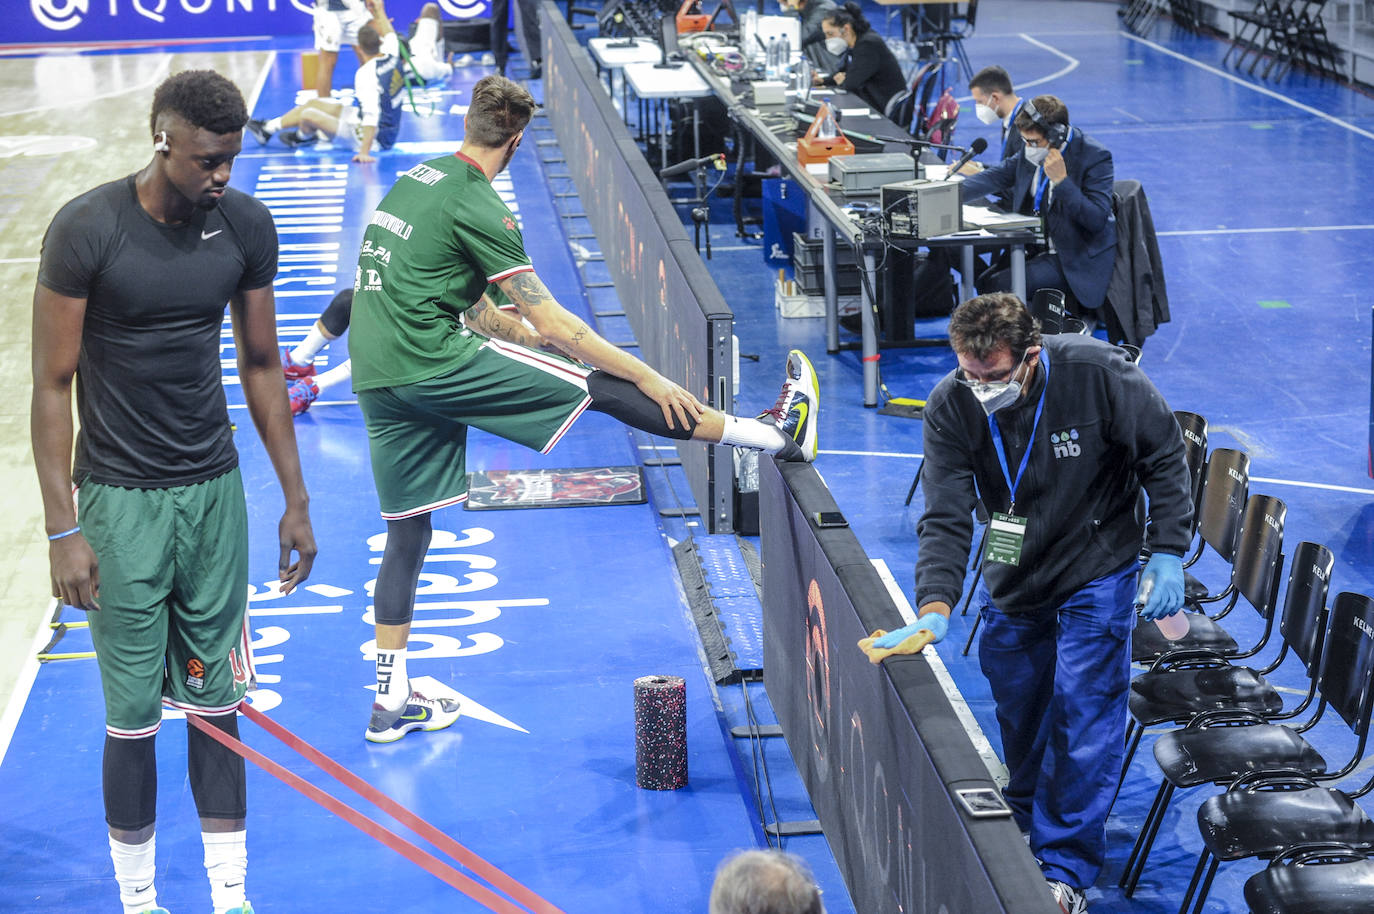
<point>148,388</point>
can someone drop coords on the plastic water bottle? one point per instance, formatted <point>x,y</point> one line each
<point>770,66</point>
<point>1171,627</point>
<point>747,469</point>
<point>748,29</point>
<point>784,56</point>
<point>827,129</point>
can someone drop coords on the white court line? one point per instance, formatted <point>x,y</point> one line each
<point>261,81</point>
<point>23,683</point>
<point>316,405</point>
<point>1073,65</point>
<point>1296,483</point>
<point>1270,231</point>
<point>1260,89</point>
<point>159,73</point>
<point>256,611</point>
<point>19,260</point>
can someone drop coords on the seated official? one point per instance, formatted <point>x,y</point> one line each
<point>867,67</point>
<point>1065,176</point>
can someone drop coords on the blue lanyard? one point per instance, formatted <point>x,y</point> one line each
<point>1030,442</point>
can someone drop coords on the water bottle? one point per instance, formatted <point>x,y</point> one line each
<point>827,129</point>
<point>1171,627</point>
<point>770,67</point>
<point>748,29</point>
<point>784,56</point>
<point>747,469</point>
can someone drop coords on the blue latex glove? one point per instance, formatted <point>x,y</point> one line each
<point>1161,587</point>
<point>933,622</point>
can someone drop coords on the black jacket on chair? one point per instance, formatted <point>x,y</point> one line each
<point>1137,296</point>
<point>1079,221</point>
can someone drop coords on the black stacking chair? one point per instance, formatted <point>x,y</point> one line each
<point>1184,683</point>
<point>1224,490</point>
<point>1263,812</point>
<point>1327,877</point>
<point>1220,745</point>
<point>1194,429</point>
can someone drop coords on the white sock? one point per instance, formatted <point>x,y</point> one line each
<point>226,863</point>
<point>273,125</point>
<point>393,686</point>
<point>134,867</point>
<point>310,347</point>
<point>751,433</point>
<point>334,375</point>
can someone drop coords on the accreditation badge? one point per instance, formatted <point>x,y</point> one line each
<point>1006,536</point>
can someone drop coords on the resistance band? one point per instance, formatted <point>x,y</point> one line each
<point>381,833</point>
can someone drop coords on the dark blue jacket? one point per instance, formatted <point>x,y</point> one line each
<point>1079,221</point>
<point>1105,433</point>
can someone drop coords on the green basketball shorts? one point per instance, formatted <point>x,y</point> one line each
<point>173,599</point>
<point>418,432</point>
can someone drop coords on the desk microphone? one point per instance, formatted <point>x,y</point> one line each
<point>975,148</point>
<point>681,168</point>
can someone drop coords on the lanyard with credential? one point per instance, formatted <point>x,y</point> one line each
<point>1025,456</point>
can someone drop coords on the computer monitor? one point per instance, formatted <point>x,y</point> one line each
<point>667,40</point>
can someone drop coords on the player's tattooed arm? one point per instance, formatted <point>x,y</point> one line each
<point>487,319</point>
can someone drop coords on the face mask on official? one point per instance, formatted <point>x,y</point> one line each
<point>836,45</point>
<point>1036,154</point>
<point>995,395</point>
<point>985,113</point>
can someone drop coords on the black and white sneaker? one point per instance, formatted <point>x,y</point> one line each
<point>1071,900</point>
<point>259,130</point>
<point>418,713</point>
<point>293,139</point>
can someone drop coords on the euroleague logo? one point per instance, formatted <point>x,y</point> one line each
<point>464,9</point>
<point>59,15</point>
<point>195,673</point>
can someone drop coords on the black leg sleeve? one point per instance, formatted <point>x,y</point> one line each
<point>393,600</point>
<point>621,399</point>
<point>340,311</point>
<point>219,783</point>
<point>129,781</point>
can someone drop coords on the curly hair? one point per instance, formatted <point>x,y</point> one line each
<point>202,98</point>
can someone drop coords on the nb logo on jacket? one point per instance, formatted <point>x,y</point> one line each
<point>1066,443</point>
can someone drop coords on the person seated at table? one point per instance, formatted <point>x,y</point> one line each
<point>868,68</point>
<point>1065,176</point>
<point>813,13</point>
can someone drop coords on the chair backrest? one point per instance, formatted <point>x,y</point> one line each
<point>923,87</point>
<point>940,124</point>
<point>1259,552</point>
<point>1348,661</point>
<point>1194,429</point>
<point>1047,306</point>
<point>899,108</point>
<point>1224,490</point>
<point>970,17</point>
<point>1303,623</point>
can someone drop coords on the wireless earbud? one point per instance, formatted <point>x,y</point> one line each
<point>160,142</point>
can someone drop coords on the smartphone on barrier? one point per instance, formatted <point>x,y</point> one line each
<point>982,802</point>
<point>825,519</point>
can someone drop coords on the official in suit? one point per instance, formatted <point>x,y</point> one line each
<point>1064,176</point>
<point>994,100</point>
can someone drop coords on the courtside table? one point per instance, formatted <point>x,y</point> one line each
<point>654,84</point>
<point>610,55</point>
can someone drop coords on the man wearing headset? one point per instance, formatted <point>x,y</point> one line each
<point>1065,177</point>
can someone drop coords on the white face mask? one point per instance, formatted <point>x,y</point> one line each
<point>836,45</point>
<point>995,395</point>
<point>985,114</point>
<point>1036,154</point>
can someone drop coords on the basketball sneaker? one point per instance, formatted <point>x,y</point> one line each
<point>418,713</point>
<point>293,371</point>
<point>245,908</point>
<point>259,130</point>
<point>1071,900</point>
<point>302,393</point>
<point>292,139</point>
<point>157,911</point>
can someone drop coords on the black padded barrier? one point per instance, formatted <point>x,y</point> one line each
<point>683,325</point>
<point>879,748</point>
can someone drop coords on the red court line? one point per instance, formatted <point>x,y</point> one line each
<point>406,848</point>
<point>422,828</point>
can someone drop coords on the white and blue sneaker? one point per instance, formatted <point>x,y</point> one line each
<point>418,713</point>
<point>1070,899</point>
<point>795,411</point>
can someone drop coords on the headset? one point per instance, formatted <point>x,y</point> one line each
<point>160,143</point>
<point>1055,134</point>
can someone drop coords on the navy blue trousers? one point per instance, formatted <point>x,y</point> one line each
<point>1060,680</point>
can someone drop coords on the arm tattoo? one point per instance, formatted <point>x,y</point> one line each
<point>581,334</point>
<point>527,291</point>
